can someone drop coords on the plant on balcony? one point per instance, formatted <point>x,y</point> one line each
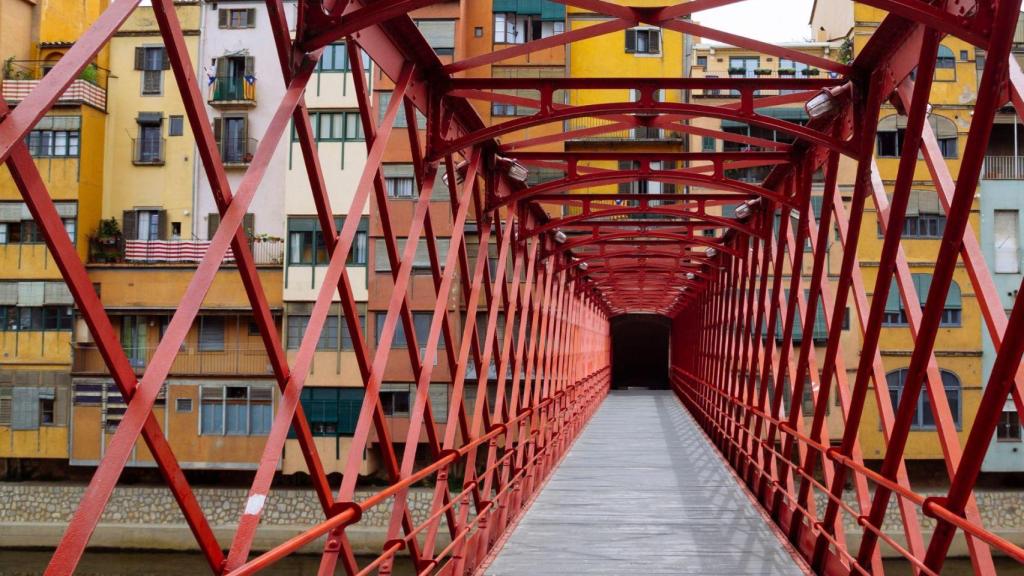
<point>90,74</point>
<point>811,72</point>
<point>734,71</point>
<point>105,245</point>
<point>787,71</point>
<point>763,72</point>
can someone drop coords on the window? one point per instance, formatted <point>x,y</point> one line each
<point>707,144</point>
<point>5,406</point>
<point>923,417</point>
<point>924,216</point>
<point>643,41</point>
<point>306,243</point>
<point>891,133</point>
<point>235,410</point>
<point>399,180</point>
<point>335,59</point>
<point>236,18</point>
<point>1009,427</point>
<point>964,55</point>
<point>1005,237</point>
<point>149,147</point>
<point>152,61</point>
<point>175,125</point>
<point>895,315</point>
<point>395,399</point>
<point>335,329</point>
<point>331,411</point>
<point>144,224</point>
<point>46,411</point>
<point>211,334</point>
<point>743,66</point>
<point>702,61</point>
<point>183,405</point>
<point>400,121</point>
<point>36,318</point>
<point>544,20</point>
<point>233,142</point>
<point>55,137</point>
<point>335,126</point>
<point>945,59</point>
<point>421,321</point>
<point>421,261</point>
<point>439,34</point>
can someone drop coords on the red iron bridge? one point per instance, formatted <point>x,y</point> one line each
<point>559,474</point>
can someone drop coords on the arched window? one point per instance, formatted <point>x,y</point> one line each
<point>945,59</point>
<point>896,315</point>
<point>923,417</point>
<point>891,134</point>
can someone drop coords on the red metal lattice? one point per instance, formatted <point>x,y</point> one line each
<point>551,381</point>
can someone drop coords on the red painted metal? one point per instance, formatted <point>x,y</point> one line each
<point>544,310</point>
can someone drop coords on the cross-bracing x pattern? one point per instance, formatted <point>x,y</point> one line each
<point>568,259</point>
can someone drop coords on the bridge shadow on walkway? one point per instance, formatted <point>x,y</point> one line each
<point>642,492</point>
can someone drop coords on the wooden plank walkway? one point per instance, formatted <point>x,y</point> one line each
<point>642,492</point>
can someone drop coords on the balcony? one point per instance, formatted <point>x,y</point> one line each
<point>246,361</point>
<point>237,152</point>
<point>591,132</point>
<point>232,91</point>
<point>20,78</point>
<point>148,151</point>
<point>265,251</point>
<point>1003,168</point>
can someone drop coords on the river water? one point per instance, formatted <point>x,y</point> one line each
<point>101,563</point>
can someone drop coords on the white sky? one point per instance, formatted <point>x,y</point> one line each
<point>766,20</point>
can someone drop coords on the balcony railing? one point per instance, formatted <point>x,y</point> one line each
<point>237,151</point>
<point>592,125</point>
<point>265,252</point>
<point>251,361</point>
<point>148,151</point>
<point>1003,168</point>
<point>232,90</point>
<point>20,77</point>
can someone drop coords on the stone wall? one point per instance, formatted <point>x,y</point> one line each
<point>34,514</point>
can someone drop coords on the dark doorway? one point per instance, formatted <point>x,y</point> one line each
<point>640,351</point>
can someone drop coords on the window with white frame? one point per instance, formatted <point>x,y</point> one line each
<point>1005,236</point>
<point>399,180</point>
<point>235,410</point>
<point>643,41</point>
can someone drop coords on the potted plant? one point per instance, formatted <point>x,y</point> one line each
<point>811,72</point>
<point>787,71</point>
<point>737,71</point>
<point>763,72</point>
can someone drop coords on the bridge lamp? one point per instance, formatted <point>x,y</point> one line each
<point>460,173</point>
<point>824,102</point>
<point>742,211</point>
<point>690,275</point>
<point>560,237</point>
<point>711,252</point>
<point>515,170</point>
<point>583,266</point>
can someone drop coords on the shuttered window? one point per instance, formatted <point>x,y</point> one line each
<point>211,334</point>
<point>236,18</point>
<point>1006,230</point>
<point>440,35</point>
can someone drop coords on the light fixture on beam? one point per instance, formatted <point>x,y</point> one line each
<point>690,275</point>
<point>460,173</point>
<point>711,252</point>
<point>825,102</point>
<point>583,266</point>
<point>560,237</point>
<point>515,170</point>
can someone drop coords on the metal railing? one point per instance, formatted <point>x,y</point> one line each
<point>265,251</point>
<point>232,89</point>
<point>148,151</point>
<point>1003,168</point>
<point>247,360</point>
<point>20,77</point>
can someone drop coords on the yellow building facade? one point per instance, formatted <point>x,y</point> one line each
<point>36,309</point>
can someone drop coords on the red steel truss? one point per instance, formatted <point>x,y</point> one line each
<point>568,259</point>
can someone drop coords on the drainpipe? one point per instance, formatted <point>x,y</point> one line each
<point>201,79</point>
